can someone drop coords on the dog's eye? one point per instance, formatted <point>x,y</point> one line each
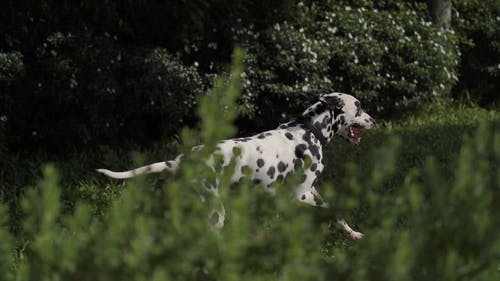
<point>359,112</point>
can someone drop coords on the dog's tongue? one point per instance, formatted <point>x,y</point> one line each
<point>355,136</point>
<point>357,133</point>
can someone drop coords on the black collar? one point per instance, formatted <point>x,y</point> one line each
<point>311,127</point>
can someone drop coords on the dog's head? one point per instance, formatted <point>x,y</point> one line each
<point>349,119</point>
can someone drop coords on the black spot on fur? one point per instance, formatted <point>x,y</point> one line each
<point>303,197</point>
<point>297,163</point>
<point>168,164</point>
<point>299,151</point>
<point>326,121</point>
<point>303,178</point>
<point>315,151</point>
<point>270,172</point>
<point>337,112</point>
<point>281,166</point>
<point>317,173</point>
<point>314,166</point>
<point>307,136</point>
<point>289,136</point>
<point>261,136</point>
<point>358,112</point>
<point>256,181</point>
<point>234,185</point>
<point>317,200</point>
<point>335,128</point>
<point>280,178</point>
<point>260,163</point>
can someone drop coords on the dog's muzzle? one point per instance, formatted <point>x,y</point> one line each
<point>354,132</point>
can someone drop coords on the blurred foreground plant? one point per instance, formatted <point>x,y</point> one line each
<point>430,227</point>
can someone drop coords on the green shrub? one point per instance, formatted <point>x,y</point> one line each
<point>11,66</point>
<point>387,58</point>
<point>94,90</point>
<point>435,131</point>
<point>476,22</point>
<point>431,226</point>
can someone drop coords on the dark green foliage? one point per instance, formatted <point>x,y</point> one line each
<point>476,22</point>
<point>431,226</point>
<point>11,66</point>
<point>93,90</point>
<point>84,73</point>
<point>96,71</point>
<point>437,131</point>
<point>388,58</point>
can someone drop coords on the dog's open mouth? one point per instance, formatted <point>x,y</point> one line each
<point>354,135</point>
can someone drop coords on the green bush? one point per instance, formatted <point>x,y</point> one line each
<point>387,58</point>
<point>435,131</point>
<point>476,22</point>
<point>431,226</point>
<point>11,66</point>
<point>94,90</point>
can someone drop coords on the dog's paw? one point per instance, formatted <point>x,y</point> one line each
<point>354,235</point>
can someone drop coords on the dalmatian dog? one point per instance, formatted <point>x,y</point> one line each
<point>270,156</point>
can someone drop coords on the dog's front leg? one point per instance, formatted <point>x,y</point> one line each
<point>353,234</point>
<point>308,194</point>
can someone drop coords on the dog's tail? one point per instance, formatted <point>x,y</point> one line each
<point>171,166</point>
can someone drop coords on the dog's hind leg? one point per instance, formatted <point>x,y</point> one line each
<point>221,216</point>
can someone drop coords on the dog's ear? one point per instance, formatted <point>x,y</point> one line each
<point>312,97</point>
<point>333,101</point>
